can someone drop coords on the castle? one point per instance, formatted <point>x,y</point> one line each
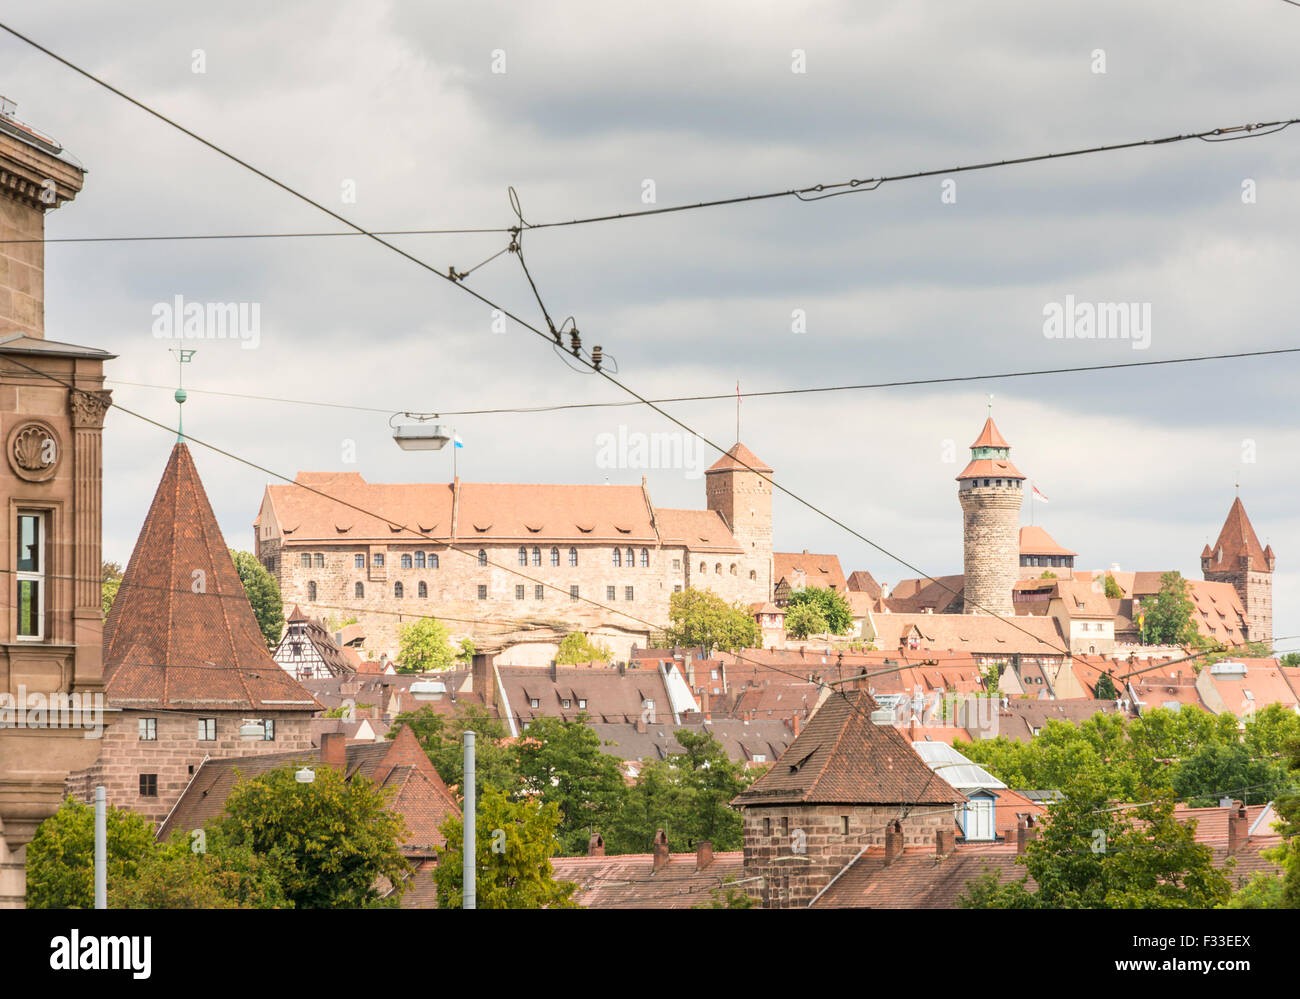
<point>495,559</point>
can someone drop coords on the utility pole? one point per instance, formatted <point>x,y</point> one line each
<point>101,848</point>
<point>470,847</point>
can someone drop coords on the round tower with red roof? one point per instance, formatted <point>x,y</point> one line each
<point>990,490</point>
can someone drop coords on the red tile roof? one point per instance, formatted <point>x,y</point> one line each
<point>1036,541</point>
<point>808,568</point>
<point>629,881</point>
<point>981,468</point>
<point>738,457</point>
<point>861,581</point>
<point>182,634</point>
<point>1237,538</point>
<point>989,436</point>
<point>699,530</point>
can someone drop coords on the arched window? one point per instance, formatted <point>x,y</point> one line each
<point>717,569</point>
<point>419,560</point>
<point>406,561</point>
<point>703,567</point>
<point>573,556</point>
<point>423,591</point>
<point>523,555</point>
<point>311,591</point>
<point>319,560</point>
<point>433,560</point>
<point>733,568</point>
<point>397,591</point>
<point>645,558</point>
<point>631,558</point>
<point>482,557</point>
<point>306,560</point>
<point>555,556</point>
<point>537,555</point>
<point>753,574</point>
<point>618,557</point>
<point>359,591</point>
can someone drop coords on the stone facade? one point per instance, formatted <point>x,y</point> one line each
<point>798,849</point>
<point>990,532</point>
<point>1254,585</point>
<point>175,753</point>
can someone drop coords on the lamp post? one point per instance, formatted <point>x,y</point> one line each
<point>469,851</point>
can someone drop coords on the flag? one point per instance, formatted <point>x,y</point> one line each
<point>1039,496</point>
<point>457,441</point>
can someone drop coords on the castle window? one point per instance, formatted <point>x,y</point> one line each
<point>627,593</point>
<point>611,593</point>
<point>311,591</point>
<point>767,827</point>
<point>319,560</point>
<point>148,729</point>
<point>753,574</point>
<point>573,556</point>
<point>844,825</point>
<point>733,568</point>
<point>677,565</point>
<point>422,591</point>
<point>631,558</point>
<point>703,567</point>
<point>539,592</point>
<point>717,569</point>
<point>573,592</point>
<point>359,561</point>
<point>555,556</point>
<point>207,730</point>
<point>519,592</point>
<point>537,556</point>
<point>482,557</point>
<point>268,730</point>
<point>358,591</point>
<point>148,785</point>
<point>419,560</point>
<point>305,560</point>
<point>377,560</point>
<point>677,589</point>
<point>482,592</point>
<point>406,561</point>
<point>31,575</point>
<point>618,557</point>
<point>645,558</point>
<point>433,560</point>
<point>398,591</point>
<point>523,555</point>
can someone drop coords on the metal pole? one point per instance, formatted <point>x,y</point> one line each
<point>101,848</point>
<point>468,895</point>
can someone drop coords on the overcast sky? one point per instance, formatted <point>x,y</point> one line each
<point>400,102</point>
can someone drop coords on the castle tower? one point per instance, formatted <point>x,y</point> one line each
<point>1237,558</point>
<point>743,497</point>
<point>991,491</point>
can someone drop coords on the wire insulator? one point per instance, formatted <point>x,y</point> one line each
<point>575,342</point>
<point>595,357</point>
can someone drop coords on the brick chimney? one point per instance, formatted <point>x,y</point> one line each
<point>705,713</point>
<point>1238,827</point>
<point>596,846</point>
<point>893,841</point>
<point>795,722</point>
<point>481,677</point>
<point>660,850</point>
<point>555,672</point>
<point>945,841</point>
<point>703,854</point>
<point>333,750</point>
<point>641,725</point>
<point>1026,830</point>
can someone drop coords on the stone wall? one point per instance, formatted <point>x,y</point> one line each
<point>991,547</point>
<point>1255,588</point>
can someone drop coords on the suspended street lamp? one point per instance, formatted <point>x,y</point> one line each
<point>423,435</point>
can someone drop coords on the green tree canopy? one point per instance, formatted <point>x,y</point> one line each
<point>1105,688</point>
<point>1113,591</point>
<point>329,842</point>
<point>110,579</point>
<point>514,843</point>
<point>263,593</point>
<point>1168,615</point>
<point>221,877</point>
<point>443,739</point>
<point>576,648</point>
<point>424,645</point>
<point>61,856</point>
<point>832,605</point>
<point>804,619</point>
<point>701,618</point>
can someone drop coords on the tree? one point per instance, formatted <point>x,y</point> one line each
<point>1113,591</point>
<point>728,897</point>
<point>221,877</point>
<point>1213,772</point>
<point>561,763</point>
<point>263,594</point>
<point>329,842</point>
<point>61,856</point>
<point>110,580</point>
<point>1048,574</point>
<point>1105,690</point>
<point>834,608</point>
<point>467,649</point>
<point>802,620</point>
<point>1169,614</point>
<point>514,843</point>
<point>701,618</point>
<point>1290,659</point>
<point>576,648</point>
<point>495,763</point>
<point>424,645</point>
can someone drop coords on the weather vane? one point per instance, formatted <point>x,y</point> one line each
<point>183,357</point>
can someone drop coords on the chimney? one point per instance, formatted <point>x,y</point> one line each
<point>596,846</point>
<point>945,841</point>
<point>893,841</point>
<point>703,854</point>
<point>1238,828</point>
<point>333,750</point>
<point>641,725</point>
<point>705,713</point>
<point>481,677</point>
<point>795,722</point>
<point>1026,830</point>
<point>555,672</point>
<point>661,850</point>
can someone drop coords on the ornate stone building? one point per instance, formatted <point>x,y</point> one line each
<point>990,490</point>
<point>484,557</point>
<point>1237,558</point>
<point>52,405</point>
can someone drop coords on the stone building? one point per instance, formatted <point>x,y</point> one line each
<point>483,557</point>
<point>844,785</point>
<point>185,664</point>
<point>990,490</point>
<point>52,406</point>
<point>1237,558</point>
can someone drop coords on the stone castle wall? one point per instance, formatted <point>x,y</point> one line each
<point>991,547</point>
<point>1255,588</point>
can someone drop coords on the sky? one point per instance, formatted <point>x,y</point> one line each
<point>403,116</point>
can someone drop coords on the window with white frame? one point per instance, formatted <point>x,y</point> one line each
<point>148,729</point>
<point>31,575</point>
<point>207,729</point>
